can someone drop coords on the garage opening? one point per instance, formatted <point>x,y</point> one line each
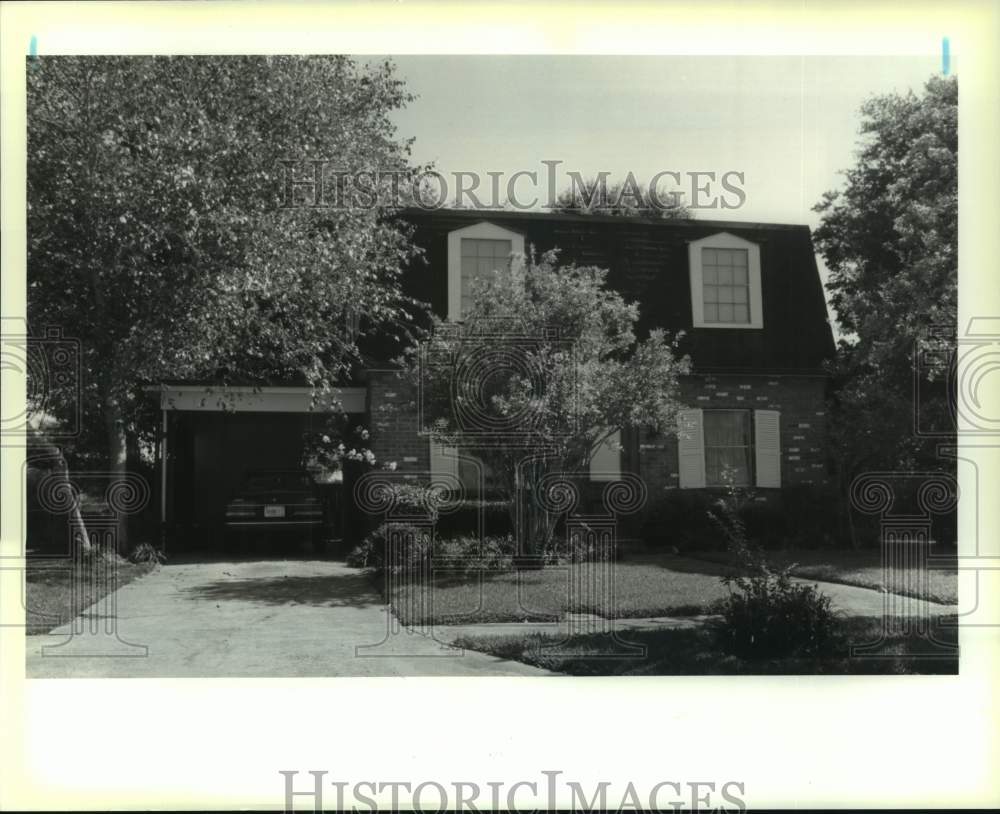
<point>225,450</point>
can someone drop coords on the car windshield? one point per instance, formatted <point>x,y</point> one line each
<point>277,481</point>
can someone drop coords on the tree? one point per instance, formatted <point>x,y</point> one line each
<point>159,234</point>
<point>889,239</point>
<point>624,198</point>
<point>545,367</point>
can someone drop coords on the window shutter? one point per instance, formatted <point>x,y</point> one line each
<point>690,449</point>
<point>444,460</point>
<point>767,445</point>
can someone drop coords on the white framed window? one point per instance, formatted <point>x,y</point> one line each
<point>725,282</point>
<point>474,252</point>
<point>728,448</point>
<point>743,444</point>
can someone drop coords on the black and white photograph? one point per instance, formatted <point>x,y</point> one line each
<point>564,366</point>
<point>352,393</point>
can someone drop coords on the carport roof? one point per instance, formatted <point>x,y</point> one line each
<point>213,396</point>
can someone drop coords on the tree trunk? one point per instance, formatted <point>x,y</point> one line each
<point>78,537</point>
<point>117,463</point>
<point>847,517</point>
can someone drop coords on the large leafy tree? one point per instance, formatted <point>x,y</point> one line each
<point>159,231</point>
<point>545,367</point>
<point>889,238</point>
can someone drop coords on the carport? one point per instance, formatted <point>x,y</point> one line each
<point>213,435</point>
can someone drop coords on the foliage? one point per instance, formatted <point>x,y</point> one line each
<point>469,553</point>
<point>462,554</point>
<point>771,617</point>
<point>548,364</point>
<point>413,550</point>
<point>805,517</point>
<point>679,518</point>
<point>625,198</point>
<point>146,553</point>
<point>158,235</point>
<point>766,614</point>
<point>889,239</point>
<point>464,518</point>
<point>575,547</point>
<point>338,444</point>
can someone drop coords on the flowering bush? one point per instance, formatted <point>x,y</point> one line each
<point>338,444</point>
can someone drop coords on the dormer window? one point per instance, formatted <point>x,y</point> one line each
<point>480,258</point>
<point>475,252</point>
<point>725,282</point>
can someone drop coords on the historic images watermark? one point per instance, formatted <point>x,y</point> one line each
<point>549,792</point>
<point>49,364</point>
<point>324,184</point>
<point>951,375</point>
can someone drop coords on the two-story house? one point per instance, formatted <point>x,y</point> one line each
<point>748,297</point>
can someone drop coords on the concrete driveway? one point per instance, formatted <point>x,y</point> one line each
<point>260,619</point>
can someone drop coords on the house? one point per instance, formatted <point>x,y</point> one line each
<point>748,297</point>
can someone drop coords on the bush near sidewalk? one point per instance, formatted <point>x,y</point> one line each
<point>766,615</point>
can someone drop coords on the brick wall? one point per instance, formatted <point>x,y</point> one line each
<point>393,410</point>
<point>799,399</point>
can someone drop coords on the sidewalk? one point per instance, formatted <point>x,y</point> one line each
<point>849,600</point>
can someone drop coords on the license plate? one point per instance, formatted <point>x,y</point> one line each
<point>274,511</point>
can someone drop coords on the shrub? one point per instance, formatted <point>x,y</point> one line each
<point>578,548</point>
<point>766,614</point>
<point>470,553</point>
<point>769,616</point>
<point>415,499</point>
<point>800,517</point>
<point>680,518</point>
<point>805,517</point>
<point>146,553</point>
<point>465,553</point>
<point>464,519</point>
<point>414,549</point>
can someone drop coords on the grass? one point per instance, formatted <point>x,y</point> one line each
<point>643,588</point>
<point>862,568</point>
<point>50,600</point>
<point>697,652</point>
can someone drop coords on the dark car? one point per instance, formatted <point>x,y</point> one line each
<point>276,503</point>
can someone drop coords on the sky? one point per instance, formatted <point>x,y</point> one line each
<point>789,124</point>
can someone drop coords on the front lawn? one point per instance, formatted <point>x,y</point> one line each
<point>696,652</point>
<point>642,588</point>
<point>50,600</point>
<point>862,568</point>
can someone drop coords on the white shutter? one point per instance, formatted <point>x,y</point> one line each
<point>444,460</point>
<point>767,446</point>
<point>690,449</point>
<point>606,462</point>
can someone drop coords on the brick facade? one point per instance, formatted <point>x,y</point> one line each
<point>393,409</point>
<point>799,399</point>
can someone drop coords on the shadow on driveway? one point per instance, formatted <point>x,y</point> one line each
<point>326,590</point>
